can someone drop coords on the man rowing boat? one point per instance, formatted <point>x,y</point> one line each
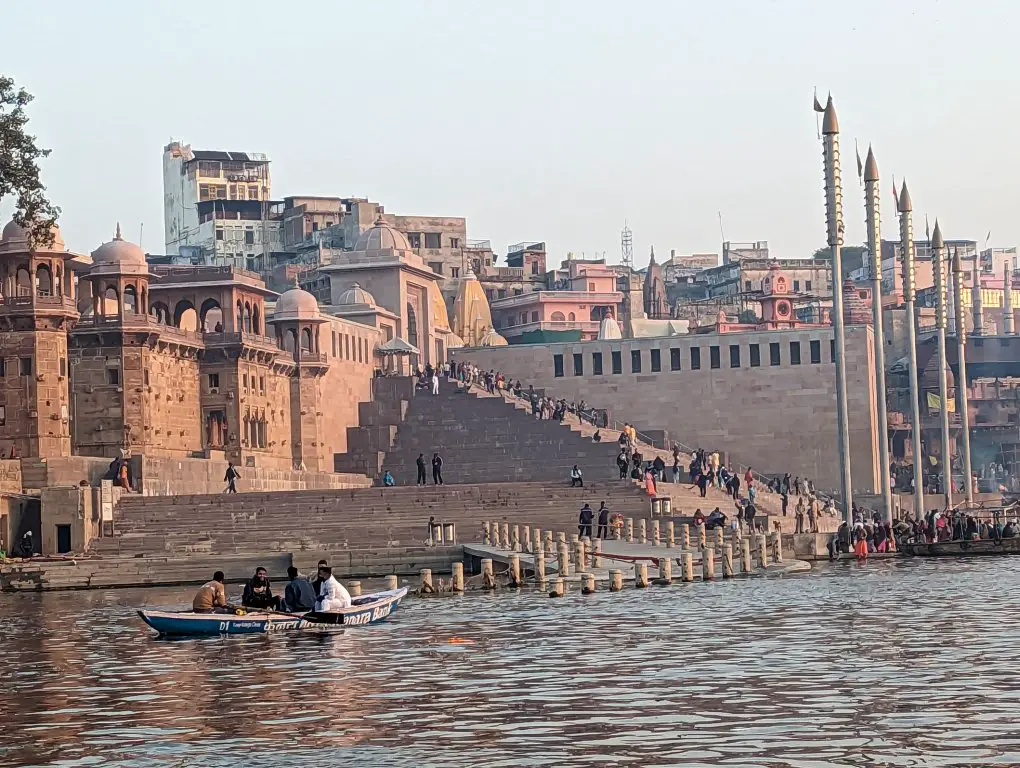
<point>210,596</point>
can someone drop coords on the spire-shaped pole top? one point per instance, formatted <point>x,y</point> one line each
<point>870,167</point>
<point>936,237</point>
<point>652,259</point>
<point>117,235</point>
<point>905,204</point>
<point>830,125</point>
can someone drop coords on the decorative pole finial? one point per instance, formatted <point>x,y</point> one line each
<point>117,236</point>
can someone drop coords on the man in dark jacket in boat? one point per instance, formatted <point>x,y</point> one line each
<point>258,593</point>
<point>298,596</point>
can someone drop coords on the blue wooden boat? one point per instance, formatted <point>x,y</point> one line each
<point>368,609</point>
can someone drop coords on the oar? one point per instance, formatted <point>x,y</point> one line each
<point>270,611</point>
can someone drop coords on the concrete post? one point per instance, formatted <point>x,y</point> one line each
<point>727,563</point>
<point>574,541</point>
<point>702,538</point>
<point>656,537</point>
<point>687,559</point>
<point>763,552</point>
<point>564,559</point>
<point>643,531</point>
<point>745,555</point>
<point>426,581</point>
<point>617,532</point>
<point>558,588</point>
<point>526,540</point>
<point>580,558</point>
<point>588,583</point>
<point>486,533</point>
<point>354,587</point>
<point>596,554</point>
<point>629,530</point>
<point>615,580</point>
<point>685,536</point>
<point>719,537</point>
<point>515,539</point>
<point>458,578</point>
<point>670,534</point>
<point>515,570</point>
<point>708,564</point>
<point>506,536</point>
<point>777,547</point>
<point>640,575</point>
<point>561,538</point>
<point>666,569</point>
<point>539,566</point>
<point>391,582</point>
<point>536,539</point>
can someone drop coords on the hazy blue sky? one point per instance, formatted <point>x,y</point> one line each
<point>535,119</point>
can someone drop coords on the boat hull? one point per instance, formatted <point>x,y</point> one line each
<point>366,610</point>
<point>981,547</point>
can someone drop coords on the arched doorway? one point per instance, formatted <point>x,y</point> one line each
<point>161,312</point>
<point>130,300</point>
<point>185,316</point>
<point>111,303</point>
<point>412,326</point>
<point>43,281</point>
<point>211,316</point>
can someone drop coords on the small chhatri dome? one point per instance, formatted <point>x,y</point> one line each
<point>14,239</point>
<point>296,304</point>
<point>382,237</point>
<point>119,253</point>
<point>356,295</point>
<point>492,339</point>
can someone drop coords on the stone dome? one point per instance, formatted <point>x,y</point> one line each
<point>356,295</point>
<point>14,239</point>
<point>382,237</point>
<point>296,304</point>
<point>929,378</point>
<point>492,339</point>
<point>120,254</point>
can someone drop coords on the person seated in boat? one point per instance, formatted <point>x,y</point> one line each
<point>298,596</point>
<point>211,596</point>
<point>317,581</point>
<point>1008,530</point>
<point>332,595</point>
<point>258,592</point>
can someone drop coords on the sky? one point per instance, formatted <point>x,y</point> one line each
<point>554,120</point>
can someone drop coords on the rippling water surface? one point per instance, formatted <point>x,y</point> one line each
<point>910,663</point>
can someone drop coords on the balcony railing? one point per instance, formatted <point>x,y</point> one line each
<point>243,337</point>
<point>585,326</point>
<point>39,300</point>
<point>583,297</point>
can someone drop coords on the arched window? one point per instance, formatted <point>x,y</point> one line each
<point>256,326</point>
<point>161,312</point>
<point>23,282</point>
<point>111,302</point>
<point>290,340</point>
<point>145,302</point>
<point>43,281</point>
<point>211,316</point>
<point>58,282</point>
<point>130,300</point>
<point>185,316</point>
<point>557,317</point>
<point>306,339</point>
<point>247,317</point>
<point>240,317</point>
<point>412,326</point>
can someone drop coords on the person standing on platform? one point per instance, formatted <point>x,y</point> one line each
<point>420,462</point>
<point>603,531</point>
<point>437,469</point>
<point>584,521</point>
<point>435,382</point>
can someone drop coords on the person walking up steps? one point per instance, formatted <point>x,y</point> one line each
<point>231,478</point>
<point>437,469</point>
<point>420,461</point>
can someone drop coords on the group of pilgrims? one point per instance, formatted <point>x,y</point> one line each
<point>323,594</point>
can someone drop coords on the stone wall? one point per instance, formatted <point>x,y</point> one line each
<point>776,418</point>
<point>34,397</point>
<point>71,506</point>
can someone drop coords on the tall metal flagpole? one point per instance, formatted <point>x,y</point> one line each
<point>873,220</point>
<point>907,248</point>
<point>938,265</point>
<point>962,403</point>
<point>834,230</point>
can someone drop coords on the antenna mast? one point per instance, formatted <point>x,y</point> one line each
<point>627,246</point>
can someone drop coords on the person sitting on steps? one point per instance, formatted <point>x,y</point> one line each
<point>575,478</point>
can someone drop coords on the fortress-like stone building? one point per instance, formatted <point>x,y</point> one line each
<point>106,356</point>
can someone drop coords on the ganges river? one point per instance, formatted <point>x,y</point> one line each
<point>896,663</point>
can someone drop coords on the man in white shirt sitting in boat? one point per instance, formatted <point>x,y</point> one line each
<point>332,595</point>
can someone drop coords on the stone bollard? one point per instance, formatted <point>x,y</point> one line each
<point>558,588</point>
<point>426,581</point>
<point>640,575</point>
<point>564,559</point>
<point>708,564</point>
<point>656,535</point>
<point>536,539</point>
<point>458,578</point>
<point>354,587</point>
<point>596,554</point>
<point>580,556</point>
<point>587,583</point>
<point>719,537</point>
<point>515,539</point>
<point>391,582</point>
<point>506,535</point>
<point>727,561</point>
<point>515,570</point>
<point>702,538</point>
<point>670,534</point>
<point>488,580</point>
<point>628,527</point>
<point>487,533</point>
<point>561,538</point>
<point>540,566</point>
<point>643,531</point>
<point>666,569</point>
<point>777,547</point>
<point>495,533</point>
<point>688,564</point>
<point>745,555</point>
<point>763,550</point>
<point>615,580</point>
<point>526,540</point>
<point>685,536</point>
<point>617,531</point>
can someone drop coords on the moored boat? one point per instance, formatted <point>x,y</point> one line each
<point>368,609</point>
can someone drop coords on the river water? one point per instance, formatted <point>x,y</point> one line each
<point>896,663</point>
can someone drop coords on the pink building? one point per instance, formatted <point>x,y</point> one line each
<point>583,293</point>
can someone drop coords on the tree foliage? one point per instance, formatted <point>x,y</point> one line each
<point>19,166</point>
<point>749,316</point>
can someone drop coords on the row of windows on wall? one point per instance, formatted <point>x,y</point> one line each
<point>432,240</point>
<point>754,359</point>
<point>350,347</point>
<point>26,366</point>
